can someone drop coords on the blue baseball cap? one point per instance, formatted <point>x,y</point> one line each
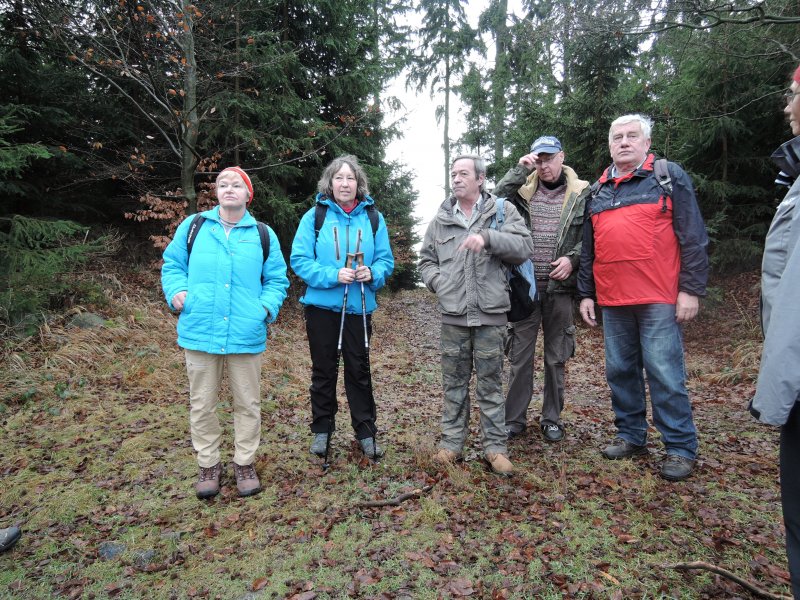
<point>547,144</point>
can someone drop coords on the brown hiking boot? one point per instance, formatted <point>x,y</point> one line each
<point>207,485</point>
<point>500,463</point>
<point>445,456</point>
<point>246,480</point>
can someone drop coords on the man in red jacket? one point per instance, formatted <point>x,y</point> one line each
<point>644,260</point>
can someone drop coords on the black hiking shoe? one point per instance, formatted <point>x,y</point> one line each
<point>676,468</point>
<point>552,432</point>
<point>511,434</point>
<point>620,448</point>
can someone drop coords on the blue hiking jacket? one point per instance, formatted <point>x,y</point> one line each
<point>318,264</point>
<point>232,293</point>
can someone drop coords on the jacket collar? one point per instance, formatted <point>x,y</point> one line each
<point>331,203</point>
<point>642,171</point>
<point>574,183</point>
<point>787,157</point>
<point>246,221</point>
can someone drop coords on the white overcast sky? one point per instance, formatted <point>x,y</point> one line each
<point>420,148</point>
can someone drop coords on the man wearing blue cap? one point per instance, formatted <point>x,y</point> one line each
<point>554,213</point>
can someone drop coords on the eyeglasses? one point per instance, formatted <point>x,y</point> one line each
<point>789,96</point>
<point>546,161</point>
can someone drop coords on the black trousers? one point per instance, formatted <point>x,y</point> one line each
<point>322,328</point>
<point>790,493</point>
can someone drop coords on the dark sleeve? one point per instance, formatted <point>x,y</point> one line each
<point>508,186</point>
<point>691,233</point>
<point>586,270</point>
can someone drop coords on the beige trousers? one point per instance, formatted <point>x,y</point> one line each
<point>244,378</point>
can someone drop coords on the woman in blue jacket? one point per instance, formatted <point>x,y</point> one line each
<point>227,292</point>
<point>344,221</point>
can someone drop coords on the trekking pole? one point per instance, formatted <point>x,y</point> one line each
<point>326,464</point>
<point>359,256</point>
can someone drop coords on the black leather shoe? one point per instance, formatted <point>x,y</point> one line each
<point>552,432</point>
<point>620,448</point>
<point>676,468</point>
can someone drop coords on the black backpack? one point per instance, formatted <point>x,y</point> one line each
<point>198,221</point>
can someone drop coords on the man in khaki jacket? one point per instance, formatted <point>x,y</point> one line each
<point>551,198</point>
<point>461,261</point>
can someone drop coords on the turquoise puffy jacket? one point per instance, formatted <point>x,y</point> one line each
<point>231,292</point>
<point>318,264</point>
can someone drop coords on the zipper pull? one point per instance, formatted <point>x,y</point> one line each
<point>336,241</point>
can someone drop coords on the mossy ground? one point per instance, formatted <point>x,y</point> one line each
<point>96,459</point>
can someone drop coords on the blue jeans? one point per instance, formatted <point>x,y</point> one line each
<point>646,336</point>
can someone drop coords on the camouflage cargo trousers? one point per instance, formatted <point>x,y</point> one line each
<point>461,348</point>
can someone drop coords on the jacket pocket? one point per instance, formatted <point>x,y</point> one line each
<point>492,285</point>
<point>566,349</point>
<point>446,249</point>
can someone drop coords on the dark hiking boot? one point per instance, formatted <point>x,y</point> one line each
<point>207,485</point>
<point>9,537</point>
<point>247,482</point>
<point>552,432</point>
<point>676,468</point>
<point>620,448</point>
<point>371,448</point>
<point>511,433</point>
<point>318,444</point>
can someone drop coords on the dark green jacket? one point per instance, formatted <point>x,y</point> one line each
<point>519,185</point>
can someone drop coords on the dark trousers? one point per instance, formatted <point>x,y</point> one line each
<point>322,328</point>
<point>790,494</point>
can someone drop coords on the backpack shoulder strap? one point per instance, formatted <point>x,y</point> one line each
<point>319,218</point>
<point>263,233</point>
<point>500,215</point>
<point>373,213</point>
<point>661,170</point>
<point>197,223</point>
<point>320,210</point>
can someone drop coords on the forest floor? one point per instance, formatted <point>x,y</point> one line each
<point>97,467</point>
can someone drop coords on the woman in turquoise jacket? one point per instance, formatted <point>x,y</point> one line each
<point>343,222</point>
<point>216,275</point>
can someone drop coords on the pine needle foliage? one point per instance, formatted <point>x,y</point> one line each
<point>38,262</point>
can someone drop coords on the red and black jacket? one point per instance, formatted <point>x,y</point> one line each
<point>641,246</point>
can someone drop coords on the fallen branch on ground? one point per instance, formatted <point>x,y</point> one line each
<point>704,566</point>
<point>396,500</point>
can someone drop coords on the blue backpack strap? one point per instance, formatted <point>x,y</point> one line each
<point>500,214</point>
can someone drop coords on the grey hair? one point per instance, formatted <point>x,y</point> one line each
<point>478,162</point>
<point>645,123</point>
<point>325,184</point>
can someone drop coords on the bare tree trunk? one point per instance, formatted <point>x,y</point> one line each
<point>236,85</point>
<point>500,81</point>
<point>446,140</point>
<point>190,124</point>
